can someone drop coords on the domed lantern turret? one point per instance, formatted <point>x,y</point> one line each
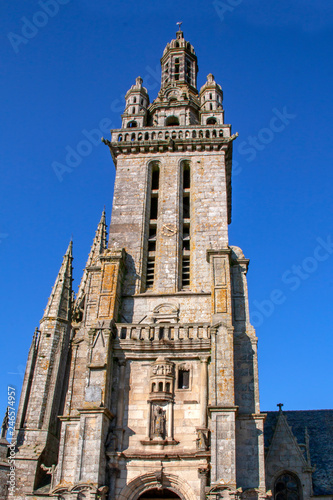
<point>211,98</point>
<point>177,102</point>
<point>179,62</point>
<point>137,102</point>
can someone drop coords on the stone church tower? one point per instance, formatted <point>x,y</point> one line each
<point>146,386</point>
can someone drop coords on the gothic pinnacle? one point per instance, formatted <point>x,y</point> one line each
<point>98,246</point>
<point>59,303</point>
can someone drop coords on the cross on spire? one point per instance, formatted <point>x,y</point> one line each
<point>179,25</point>
<point>280,406</point>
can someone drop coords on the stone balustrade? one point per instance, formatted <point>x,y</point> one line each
<point>166,133</point>
<point>163,331</point>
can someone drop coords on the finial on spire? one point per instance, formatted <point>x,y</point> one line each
<point>179,25</point>
<point>280,407</point>
<point>70,247</point>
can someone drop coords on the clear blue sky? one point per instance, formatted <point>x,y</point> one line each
<point>69,74</point>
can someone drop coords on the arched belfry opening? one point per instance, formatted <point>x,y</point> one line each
<point>158,494</point>
<point>172,121</point>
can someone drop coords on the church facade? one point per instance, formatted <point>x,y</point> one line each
<point>146,384</point>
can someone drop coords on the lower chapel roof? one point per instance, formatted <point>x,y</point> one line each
<point>319,426</point>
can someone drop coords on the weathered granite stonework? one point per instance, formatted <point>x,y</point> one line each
<point>146,384</point>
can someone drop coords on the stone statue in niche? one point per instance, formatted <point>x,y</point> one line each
<point>159,422</point>
<point>202,439</point>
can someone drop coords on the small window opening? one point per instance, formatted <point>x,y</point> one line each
<point>134,99</point>
<point>153,386</point>
<point>186,207</point>
<point>155,179</point>
<point>123,333</point>
<point>150,272</point>
<point>210,106</point>
<point>160,386</point>
<point>167,387</point>
<point>161,333</point>
<point>210,96</point>
<point>153,207</point>
<point>211,121</point>
<point>186,272</point>
<point>177,68</point>
<point>152,239</point>
<point>141,102</point>
<point>171,121</point>
<point>186,237</point>
<point>187,179</point>
<point>133,111</point>
<point>183,379</point>
<point>132,124</point>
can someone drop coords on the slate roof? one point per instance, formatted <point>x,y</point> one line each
<point>320,429</point>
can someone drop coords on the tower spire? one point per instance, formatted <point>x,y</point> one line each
<point>59,303</point>
<point>98,246</point>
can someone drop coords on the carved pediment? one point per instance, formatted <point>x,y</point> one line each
<point>165,313</point>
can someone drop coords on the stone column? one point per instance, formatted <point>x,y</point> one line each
<point>202,473</point>
<point>149,425</point>
<point>203,391</point>
<point>170,420</point>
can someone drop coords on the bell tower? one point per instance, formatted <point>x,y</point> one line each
<point>190,381</point>
<point>159,382</point>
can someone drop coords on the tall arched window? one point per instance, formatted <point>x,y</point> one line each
<point>152,224</point>
<point>287,487</point>
<point>185,225</point>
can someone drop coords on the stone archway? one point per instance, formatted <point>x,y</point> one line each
<point>169,484</point>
